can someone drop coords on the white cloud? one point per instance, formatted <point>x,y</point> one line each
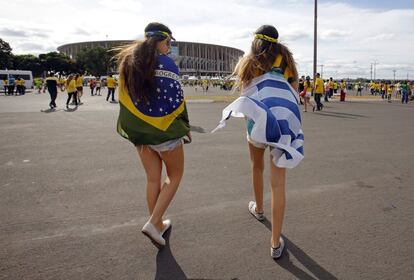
<point>334,33</point>
<point>381,37</point>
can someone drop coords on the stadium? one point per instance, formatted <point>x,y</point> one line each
<point>193,58</point>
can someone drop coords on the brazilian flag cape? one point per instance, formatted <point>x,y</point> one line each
<point>164,117</point>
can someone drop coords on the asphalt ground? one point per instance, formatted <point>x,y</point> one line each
<point>72,197</point>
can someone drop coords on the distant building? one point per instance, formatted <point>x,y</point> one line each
<point>192,58</point>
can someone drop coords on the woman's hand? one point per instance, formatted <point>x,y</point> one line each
<point>189,140</point>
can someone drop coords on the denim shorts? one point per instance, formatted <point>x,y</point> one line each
<point>167,146</point>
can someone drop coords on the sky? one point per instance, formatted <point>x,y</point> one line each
<point>352,35</point>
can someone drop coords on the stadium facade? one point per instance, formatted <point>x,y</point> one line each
<point>193,58</point>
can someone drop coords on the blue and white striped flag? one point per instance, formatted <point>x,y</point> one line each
<point>273,105</point>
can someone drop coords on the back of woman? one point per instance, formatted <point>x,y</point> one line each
<point>153,117</point>
<point>270,103</point>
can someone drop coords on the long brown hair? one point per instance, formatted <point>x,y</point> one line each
<point>136,66</point>
<point>70,78</point>
<point>261,59</point>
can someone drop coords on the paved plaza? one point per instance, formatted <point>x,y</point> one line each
<point>72,197</point>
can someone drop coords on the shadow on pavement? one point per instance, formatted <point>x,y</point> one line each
<point>167,266</point>
<point>50,110</point>
<point>198,129</point>
<point>71,109</point>
<point>285,262</point>
<point>335,115</point>
<point>344,114</point>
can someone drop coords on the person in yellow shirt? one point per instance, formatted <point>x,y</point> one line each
<point>62,83</point>
<point>388,90</point>
<point>51,83</point>
<point>377,88</point>
<point>72,91</point>
<point>308,88</point>
<point>79,86</point>
<point>5,85</point>
<point>111,84</point>
<point>318,91</point>
<point>329,92</point>
<point>371,87</point>
<point>18,84</point>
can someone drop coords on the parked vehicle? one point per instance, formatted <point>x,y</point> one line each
<point>26,75</point>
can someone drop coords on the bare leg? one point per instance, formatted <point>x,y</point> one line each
<point>256,158</point>
<point>306,103</point>
<point>277,182</point>
<point>309,102</point>
<point>174,162</point>
<point>153,168</point>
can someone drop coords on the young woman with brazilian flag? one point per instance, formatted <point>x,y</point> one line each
<point>153,117</point>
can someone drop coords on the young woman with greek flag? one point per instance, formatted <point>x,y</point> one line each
<point>270,104</point>
<point>153,117</point>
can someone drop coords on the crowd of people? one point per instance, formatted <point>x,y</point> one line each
<point>326,89</point>
<point>14,86</point>
<point>225,84</point>
<point>74,85</point>
<point>403,90</point>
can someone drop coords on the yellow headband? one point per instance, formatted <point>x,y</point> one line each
<point>265,37</point>
<point>156,33</point>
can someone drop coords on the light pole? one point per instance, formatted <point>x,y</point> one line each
<point>371,72</point>
<point>315,39</point>
<point>321,70</point>
<point>375,69</point>
<point>394,74</point>
<point>106,50</point>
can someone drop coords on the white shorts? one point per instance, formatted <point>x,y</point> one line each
<point>256,144</point>
<point>167,146</point>
<point>308,94</point>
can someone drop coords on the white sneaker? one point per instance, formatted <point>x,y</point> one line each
<point>277,252</point>
<point>152,233</point>
<point>252,210</point>
<point>167,225</point>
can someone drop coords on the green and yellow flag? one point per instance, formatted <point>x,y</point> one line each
<point>164,117</point>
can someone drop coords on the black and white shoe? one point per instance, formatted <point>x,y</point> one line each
<point>277,252</point>
<point>252,210</point>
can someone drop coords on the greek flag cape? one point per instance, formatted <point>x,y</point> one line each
<point>271,105</point>
<point>162,118</point>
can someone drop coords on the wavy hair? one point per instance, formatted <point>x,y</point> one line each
<point>261,59</point>
<point>136,66</point>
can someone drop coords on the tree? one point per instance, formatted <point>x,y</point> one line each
<point>6,55</point>
<point>97,61</point>
<point>57,62</point>
<point>28,62</point>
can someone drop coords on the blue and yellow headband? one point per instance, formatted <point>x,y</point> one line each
<point>266,38</point>
<point>158,33</point>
